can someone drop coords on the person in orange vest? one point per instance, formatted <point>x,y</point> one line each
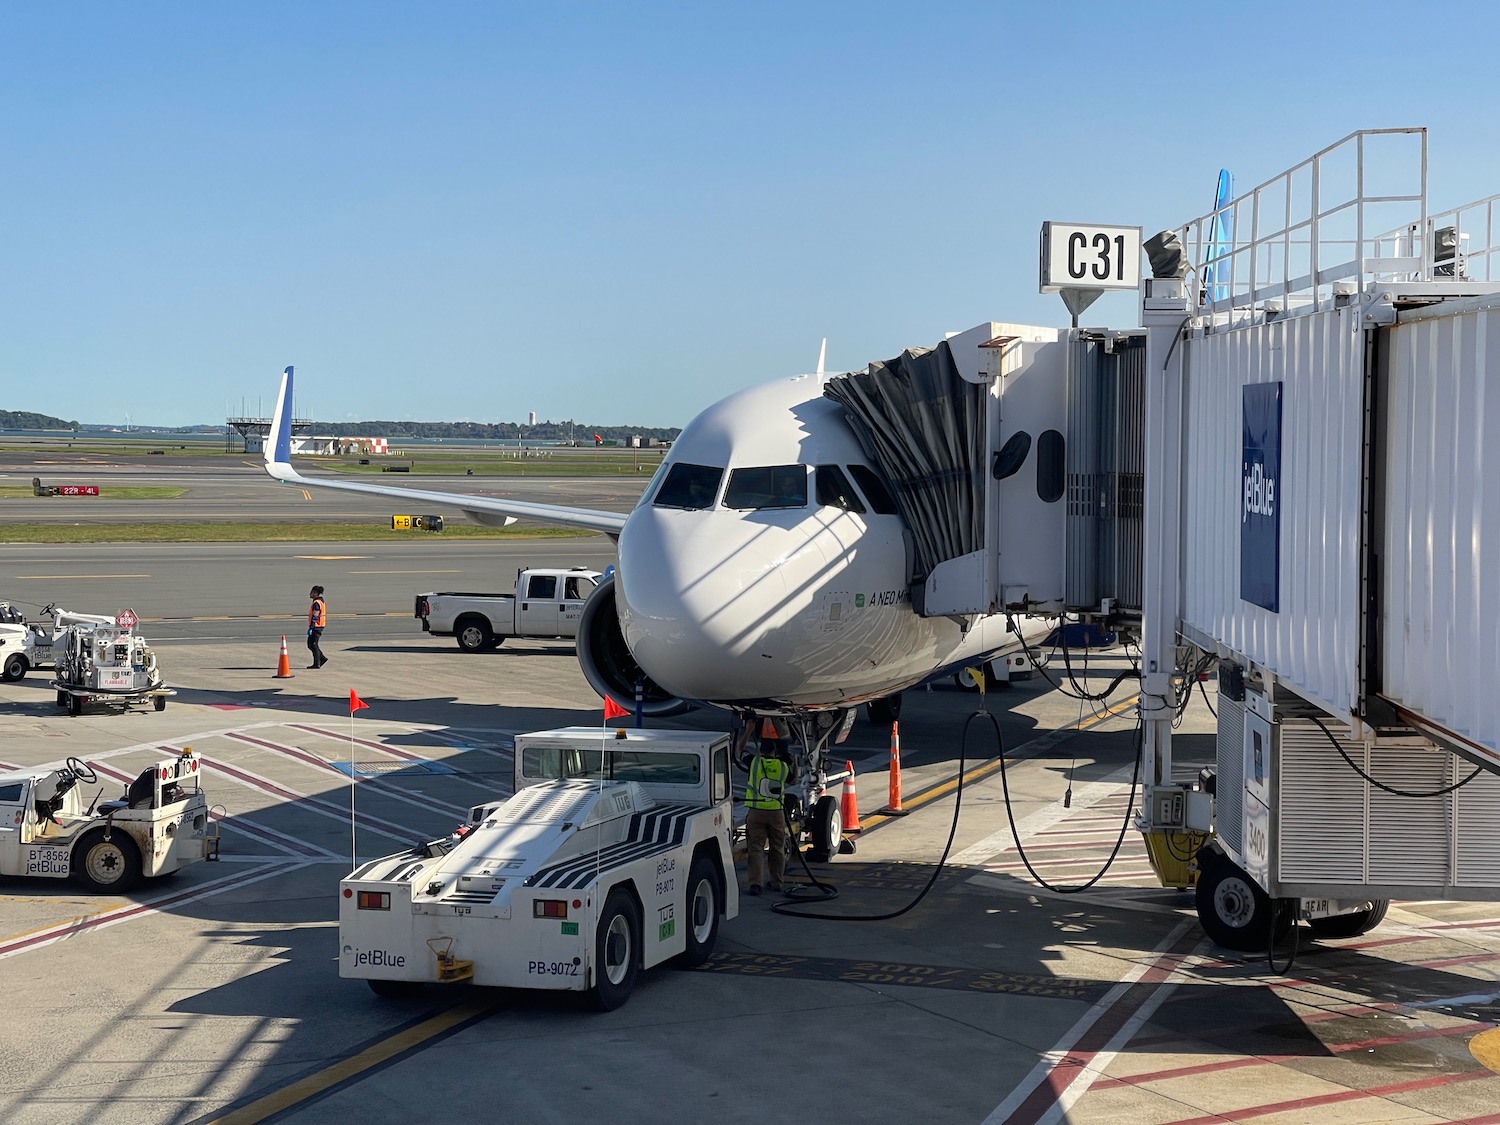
<point>771,771</point>
<point>317,621</point>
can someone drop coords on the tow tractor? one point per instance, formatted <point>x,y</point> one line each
<point>612,857</point>
<point>107,662</point>
<point>159,825</point>
<point>26,644</point>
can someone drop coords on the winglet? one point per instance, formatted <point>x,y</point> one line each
<point>279,440</point>
<point>822,355</point>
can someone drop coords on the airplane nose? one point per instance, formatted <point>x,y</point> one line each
<point>700,596</point>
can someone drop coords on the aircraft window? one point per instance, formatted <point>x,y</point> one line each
<point>767,486</point>
<point>10,794</point>
<point>689,486</point>
<point>874,489</point>
<point>834,490</point>
<point>542,587</point>
<point>661,471</point>
<point>578,589</point>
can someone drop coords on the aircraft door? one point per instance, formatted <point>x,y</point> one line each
<point>538,613</point>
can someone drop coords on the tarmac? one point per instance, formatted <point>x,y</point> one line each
<point>214,995</point>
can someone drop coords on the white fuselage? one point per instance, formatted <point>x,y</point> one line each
<point>804,607</point>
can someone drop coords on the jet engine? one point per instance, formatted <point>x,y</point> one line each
<point>606,660</point>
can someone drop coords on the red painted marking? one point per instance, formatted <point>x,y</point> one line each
<point>81,925</point>
<point>1276,1060</point>
<point>290,751</point>
<point>1094,1040</point>
<point>1334,1099</point>
<point>381,746</point>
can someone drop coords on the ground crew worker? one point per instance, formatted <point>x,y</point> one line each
<point>317,621</point>
<point>771,771</point>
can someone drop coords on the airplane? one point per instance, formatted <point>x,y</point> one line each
<point>765,571</point>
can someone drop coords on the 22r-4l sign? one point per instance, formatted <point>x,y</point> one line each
<point>1089,256</point>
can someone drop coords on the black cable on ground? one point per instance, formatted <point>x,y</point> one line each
<point>1443,792</point>
<point>827,891</point>
<point>1277,906</point>
<point>1010,815</point>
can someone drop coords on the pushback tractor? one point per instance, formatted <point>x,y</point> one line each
<point>613,856</point>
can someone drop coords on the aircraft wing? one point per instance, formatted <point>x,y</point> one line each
<point>482,509</point>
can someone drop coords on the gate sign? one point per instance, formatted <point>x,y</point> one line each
<point>1260,496</point>
<point>126,620</point>
<point>1090,256</point>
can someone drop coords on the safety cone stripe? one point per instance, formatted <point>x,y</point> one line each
<point>849,803</point>
<point>893,796</point>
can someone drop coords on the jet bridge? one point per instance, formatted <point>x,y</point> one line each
<point>1015,454</point>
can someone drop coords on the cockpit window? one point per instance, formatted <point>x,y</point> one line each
<point>768,486</point>
<point>874,489</point>
<point>689,486</point>
<point>834,490</point>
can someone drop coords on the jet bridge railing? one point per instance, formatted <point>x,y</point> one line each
<point>1290,240</point>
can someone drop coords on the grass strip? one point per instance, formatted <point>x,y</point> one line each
<point>260,533</point>
<point>106,492</point>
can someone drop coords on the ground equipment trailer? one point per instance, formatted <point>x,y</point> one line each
<point>50,829</point>
<point>108,664</point>
<point>26,645</point>
<point>612,857</point>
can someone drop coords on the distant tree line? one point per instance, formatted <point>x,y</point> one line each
<point>26,420</point>
<point>582,433</point>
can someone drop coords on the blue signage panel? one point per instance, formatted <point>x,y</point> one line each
<point>1260,496</point>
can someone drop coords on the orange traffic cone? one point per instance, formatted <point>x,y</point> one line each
<point>893,807</point>
<point>849,803</point>
<point>283,665</point>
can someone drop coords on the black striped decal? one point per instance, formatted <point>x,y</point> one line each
<point>655,830</point>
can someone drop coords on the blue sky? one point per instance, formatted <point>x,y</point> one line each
<point>619,213</point>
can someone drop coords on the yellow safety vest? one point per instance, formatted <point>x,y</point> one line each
<point>768,776</point>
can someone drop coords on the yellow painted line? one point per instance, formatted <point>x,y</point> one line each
<point>330,558</point>
<point>75,920</point>
<point>406,572</point>
<point>58,577</point>
<point>355,1065</point>
<point>1486,1048</point>
<point>306,495</point>
<point>991,768</point>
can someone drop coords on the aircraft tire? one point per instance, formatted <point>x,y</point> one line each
<point>827,829</point>
<point>886,710</point>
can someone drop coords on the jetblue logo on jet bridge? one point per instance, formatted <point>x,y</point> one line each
<point>1260,496</point>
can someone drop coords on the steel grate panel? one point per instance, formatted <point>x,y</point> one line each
<point>1323,806</point>
<point>1229,799</point>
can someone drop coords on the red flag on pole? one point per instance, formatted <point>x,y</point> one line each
<point>355,703</point>
<point>613,710</point>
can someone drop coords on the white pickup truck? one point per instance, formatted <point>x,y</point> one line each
<point>547,603</point>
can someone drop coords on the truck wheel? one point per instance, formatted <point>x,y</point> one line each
<point>75,704</point>
<point>15,667</point>
<point>827,828</point>
<point>702,914</point>
<point>1234,912</point>
<point>1350,925</point>
<point>107,860</point>
<point>473,634</point>
<point>886,710</point>
<point>617,960</point>
<point>159,702</point>
<point>394,989</point>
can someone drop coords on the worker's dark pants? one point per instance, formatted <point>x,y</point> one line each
<point>765,827</point>
<point>318,659</point>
